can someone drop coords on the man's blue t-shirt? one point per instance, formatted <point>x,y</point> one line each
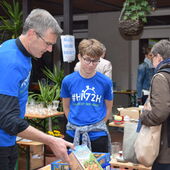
<point>87,99</point>
<point>15,70</point>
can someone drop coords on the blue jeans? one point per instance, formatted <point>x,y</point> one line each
<point>8,157</point>
<point>158,166</point>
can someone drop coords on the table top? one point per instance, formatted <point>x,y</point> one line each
<point>47,167</point>
<point>115,125</point>
<point>114,162</point>
<point>29,143</point>
<point>43,116</point>
<point>125,92</point>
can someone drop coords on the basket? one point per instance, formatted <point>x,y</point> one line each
<point>130,28</point>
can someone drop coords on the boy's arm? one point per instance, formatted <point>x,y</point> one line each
<point>109,104</point>
<point>66,106</point>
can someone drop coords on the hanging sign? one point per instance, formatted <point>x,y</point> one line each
<point>68,48</point>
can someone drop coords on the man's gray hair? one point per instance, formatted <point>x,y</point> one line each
<point>41,20</point>
<point>163,48</point>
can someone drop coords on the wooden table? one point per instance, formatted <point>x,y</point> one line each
<point>130,93</point>
<point>129,165</point>
<point>41,118</point>
<point>116,125</point>
<point>39,121</point>
<point>27,145</point>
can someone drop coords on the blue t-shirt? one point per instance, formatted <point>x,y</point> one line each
<point>15,70</point>
<point>87,99</point>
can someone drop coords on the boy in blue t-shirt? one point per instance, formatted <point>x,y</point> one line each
<point>88,99</point>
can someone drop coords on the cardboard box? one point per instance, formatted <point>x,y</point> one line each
<point>37,149</point>
<point>49,159</point>
<point>82,159</point>
<point>132,112</point>
<point>36,154</point>
<point>58,165</point>
<point>36,161</point>
<point>102,158</point>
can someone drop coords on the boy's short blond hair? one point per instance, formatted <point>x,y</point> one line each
<point>90,47</point>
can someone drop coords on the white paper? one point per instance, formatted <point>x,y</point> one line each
<point>68,48</point>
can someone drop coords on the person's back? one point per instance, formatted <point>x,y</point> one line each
<point>144,76</point>
<point>160,102</point>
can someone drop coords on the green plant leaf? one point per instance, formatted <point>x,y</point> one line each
<point>56,76</point>
<point>136,10</point>
<point>47,95</point>
<point>11,24</point>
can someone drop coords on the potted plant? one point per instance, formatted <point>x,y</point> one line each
<point>47,94</point>
<point>49,91</point>
<point>133,16</point>
<point>56,76</point>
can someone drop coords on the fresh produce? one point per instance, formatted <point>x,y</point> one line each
<point>117,118</point>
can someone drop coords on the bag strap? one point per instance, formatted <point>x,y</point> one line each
<point>139,126</point>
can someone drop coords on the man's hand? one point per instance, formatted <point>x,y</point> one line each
<point>147,105</point>
<point>59,147</point>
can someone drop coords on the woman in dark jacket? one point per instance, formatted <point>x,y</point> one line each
<point>160,102</point>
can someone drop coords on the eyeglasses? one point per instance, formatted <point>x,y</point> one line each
<point>47,43</point>
<point>88,61</point>
<point>153,56</point>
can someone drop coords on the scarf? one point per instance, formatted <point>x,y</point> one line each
<point>83,130</point>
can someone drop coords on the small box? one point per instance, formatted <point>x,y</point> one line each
<point>132,112</point>
<point>36,161</point>
<point>102,158</point>
<point>34,149</point>
<point>58,165</point>
<point>82,158</point>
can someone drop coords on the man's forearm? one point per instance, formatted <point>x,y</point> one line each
<point>34,134</point>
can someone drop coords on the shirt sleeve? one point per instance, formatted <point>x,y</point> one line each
<point>109,95</point>
<point>10,121</point>
<point>64,93</point>
<point>108,70</point>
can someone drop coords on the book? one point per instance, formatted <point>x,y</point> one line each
<point>83,159</point>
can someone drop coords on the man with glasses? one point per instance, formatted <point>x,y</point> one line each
<point>40,33</point>
<point>88,99</point>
